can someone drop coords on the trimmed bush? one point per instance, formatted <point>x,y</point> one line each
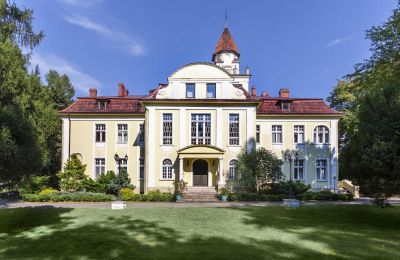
<point>47,191</point>
<point>126,194</point>
<point>68,196</point>
<point>309,195</point>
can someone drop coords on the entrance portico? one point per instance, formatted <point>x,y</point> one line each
<point>202,164</point>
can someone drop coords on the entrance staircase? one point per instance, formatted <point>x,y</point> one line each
<point>200,194</point>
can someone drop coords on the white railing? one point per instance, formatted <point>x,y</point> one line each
<point>350,187</point>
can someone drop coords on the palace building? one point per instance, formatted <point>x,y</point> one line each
<point>194,127</point>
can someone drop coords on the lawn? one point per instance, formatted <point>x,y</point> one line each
<point>320,232</point>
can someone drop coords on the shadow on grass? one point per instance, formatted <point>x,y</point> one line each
<point>345,232</point>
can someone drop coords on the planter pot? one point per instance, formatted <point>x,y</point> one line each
<point>224,197</point>
<point>291,203</point>
<point>178,197</point>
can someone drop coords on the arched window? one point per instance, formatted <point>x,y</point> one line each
<point>321,135</point>
<point>167,169</point>
<point>233,169</point>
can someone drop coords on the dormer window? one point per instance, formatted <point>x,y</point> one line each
<point>190,90</point>
<point>285,106</point>
<point>102,104</point>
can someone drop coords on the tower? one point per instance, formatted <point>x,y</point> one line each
<point>226,54</point>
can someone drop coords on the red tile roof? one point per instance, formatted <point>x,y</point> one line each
<point>297,106</point>
<point>226,43</point>
<point>129,104</point>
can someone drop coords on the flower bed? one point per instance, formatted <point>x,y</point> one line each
<point>68,196</point>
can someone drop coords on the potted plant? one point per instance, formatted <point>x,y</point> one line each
<point>224,194</point>
<point>180,187</point>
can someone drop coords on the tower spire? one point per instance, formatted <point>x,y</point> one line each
<point>226,19</point>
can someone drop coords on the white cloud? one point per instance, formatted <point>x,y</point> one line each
<point>126,42</point>
<point>80,3</point>
<point>339,41</point>
<point>81,81</point>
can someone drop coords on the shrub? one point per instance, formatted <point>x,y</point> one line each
<point>73,175</point>
<point>224,191</point>
<point>34,184</point>
<point>154,195</point>
<point>323,195</point>
<point>120,181</point>
<point>179,186</point>
<point>47,191</point>
<point>309,195</point>
<point>282,187</point>
<point>68,196</point>
<point>126,194</point>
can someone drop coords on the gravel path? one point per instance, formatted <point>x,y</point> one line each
<point>20,204</point>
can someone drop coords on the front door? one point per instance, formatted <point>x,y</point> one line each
<point>200,173</point>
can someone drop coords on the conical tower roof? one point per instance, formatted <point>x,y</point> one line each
<point>226,44</point>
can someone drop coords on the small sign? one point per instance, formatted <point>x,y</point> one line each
<point>118,205</point>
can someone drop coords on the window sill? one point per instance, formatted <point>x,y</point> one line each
<point>234,145</point>
<point>122,143</point>
<point>167,145</point>
<point>166,179</point>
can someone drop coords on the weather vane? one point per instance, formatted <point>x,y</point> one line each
<point>226,18</point>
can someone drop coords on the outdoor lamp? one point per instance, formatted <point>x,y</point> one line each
<point>116,157</point>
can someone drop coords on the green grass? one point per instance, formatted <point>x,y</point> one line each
<point>324,232</point>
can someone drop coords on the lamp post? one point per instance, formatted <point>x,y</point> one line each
<point>119,161</point>
<point>288,157</point>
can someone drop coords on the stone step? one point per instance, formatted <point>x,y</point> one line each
<point>193,200</point>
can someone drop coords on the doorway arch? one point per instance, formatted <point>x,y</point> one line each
<point>200,173</point>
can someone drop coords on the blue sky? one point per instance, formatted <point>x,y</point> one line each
<point>302,45</point>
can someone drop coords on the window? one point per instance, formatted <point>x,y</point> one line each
<point>211,93</point>
<point>141,168</point>
<point>141,133</point>
<point>285,106</point>
<point>321,169</point>
<point>233,129</point>
<point>99,167</point>
<point>233,169</point>
<point>276,134</point>
<point>321,135</point>
<point>190,90</point>
<point>298,134</point>
<point>102,105</point>
<point>167,129</point>
<point>201,129</point>
<point>298,169</point>
<point>167,169</point>
<point>258,134</point>
<point>122,133</point>
<point>100,133</point>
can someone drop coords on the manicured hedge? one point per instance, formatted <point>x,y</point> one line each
<point>322,195</point>
<point>68,196</point>
<point>153,196</point>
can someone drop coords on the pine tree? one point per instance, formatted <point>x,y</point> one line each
<point>73,175</point>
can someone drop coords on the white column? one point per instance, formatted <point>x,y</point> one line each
<point>334,150</point>
<point>151,148</point>
<point>250,122</point>
<point>182,128</point>
<point>219,128</point>
<point>65,141</point>
<point>181,169</point>
<point>221,180</point>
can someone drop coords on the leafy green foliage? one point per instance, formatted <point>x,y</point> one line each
<point>180,186</point>
<point>126,194</point>
<point>257,168</point>
<point>47,191</point>
<point>34,184</point>
<point>71,179</point>
<point>59,89</point>
<point>120,181</point>
<point>282,187</point>
<point>68,196</point>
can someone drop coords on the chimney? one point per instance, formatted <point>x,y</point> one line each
<point>253,91</point>
<point>92,92</point>
<point>264,94</point>
<point>121,90</point>
<point>126,92</point>
<point>284,93</point>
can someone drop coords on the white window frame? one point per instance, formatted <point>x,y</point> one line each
<point>275,134</point>
<point>122,130</point>
<point>319,167</point>
<point>321,130</point>
<point>167,169</point>
<point>298,167</point>
<point>234,129</point>
<point>141,167</point>
<point>103,133</point>
<point>258,134</point>
<point>298,131</point>
<point>232,169</point>
<point>124,165</point>
<point>167,129</point>
<point>205,123</point>
<point>101,167</point>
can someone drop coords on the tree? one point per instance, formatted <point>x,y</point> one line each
<point>120,181</point>
<point>60,90</point>
<point>16,25</point>
<point>375,147</point>
<point>257,169</point>
<point>73,176</point>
